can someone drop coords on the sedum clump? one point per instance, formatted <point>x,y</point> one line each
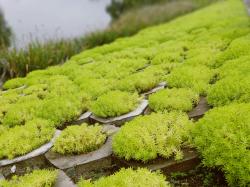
<point>147,137</point>
<point>138,82</point>
<point>236,67</point>
<point>37,178</point>
<point>233,84</point>
<point>222,138</point>
<point>79,139</point>
<point>196,78</point>
<point>239,47</point>
<point>115,103</point>
<point>14,83</point>
<point>181,99</point>
<point>21,140</point>
<point>56,99</point>
<point>94,88</point>
<point>129,178</point>
<point>230,89</point>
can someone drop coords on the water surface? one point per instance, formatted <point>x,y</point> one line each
<point>51,19</point>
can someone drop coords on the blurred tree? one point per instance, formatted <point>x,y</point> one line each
<point>117,7</point>
<point>5,32</point>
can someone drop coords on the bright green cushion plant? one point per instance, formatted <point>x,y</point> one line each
<point>60,110</point>
<point>147,137</point>
<point>171,51</point>
<point>38,178</point>
<point>57,99</point>
<point>115,103</point>
<point>230,89</point>
<point>196,78</point>
<point>7,99</point>
<point>56,109</point>
<point>21,112</point>
<point>236,67</point>
<point>79,139</point>
<point>239,47</point>
<point>40,90</point>
<point>222,138</point>
<point>203,55</point>
<point>146,79</point>
<point>180,99</point>
<point>117,68</point>
<point>14,83</point>
<point>139,82</point>
<point>95,87</point>
<point>129,178</point>
<point>21,140</point>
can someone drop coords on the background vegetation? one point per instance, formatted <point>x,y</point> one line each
<point>5,32</point>
<point>138,15</point>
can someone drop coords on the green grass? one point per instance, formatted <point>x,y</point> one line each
<point>39,56</point>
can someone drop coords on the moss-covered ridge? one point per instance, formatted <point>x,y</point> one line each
<point>61,93</point>
<point>200,52</point>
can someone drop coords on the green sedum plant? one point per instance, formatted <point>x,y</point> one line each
<point>55,98</point>
<point>229,90</point>
<point>115,103</point>
<point>232,68</point>
<point>138,82</point>
<point>171,51</point>
<point>129,178</point>
<point>95,87</point>
<point>21,140</point>
<point>79,139</point>
<point>6,100</point>
<point>21,112</point>
<point>239,47</point>
<point>196,78</point>
<point>14,83</point>
<point>203,55</point>
<point>60,110</point>
<point>180,99</point>
<point>147,137</point>
<point>222,138</point>
<point>37,178</point>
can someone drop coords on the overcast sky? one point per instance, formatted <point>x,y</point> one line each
<point>54,18</point>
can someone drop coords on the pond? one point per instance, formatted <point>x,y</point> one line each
<point>52,19</point>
